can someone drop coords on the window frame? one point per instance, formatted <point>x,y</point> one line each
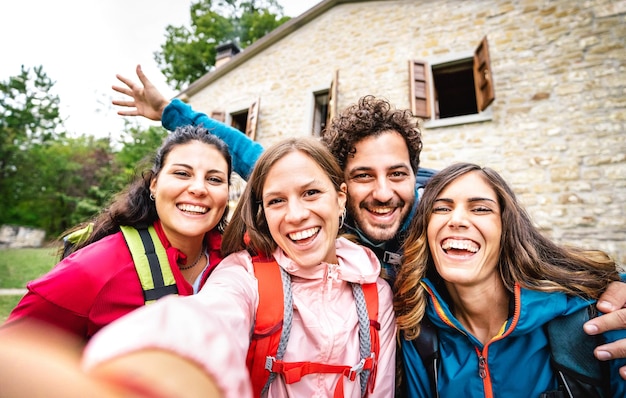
<point>422,88</point>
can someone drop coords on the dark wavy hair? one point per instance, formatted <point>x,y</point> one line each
<point>526,256</point>
<point>372,116</point>
<point>133,206</point>
<point>249,217</point>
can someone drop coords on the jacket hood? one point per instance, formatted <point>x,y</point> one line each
<point>356,264</point>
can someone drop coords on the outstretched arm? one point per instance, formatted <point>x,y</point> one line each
<point>38,360</point>
<point>613,304</point>
<point>145,100</point>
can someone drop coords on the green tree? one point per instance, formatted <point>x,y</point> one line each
<point>29,116</point>
<point>189,53</point>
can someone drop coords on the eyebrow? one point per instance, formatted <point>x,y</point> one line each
<point>314,182</point>
<point>471,200</point>
<point>212,171</point>
<point>394,167</point>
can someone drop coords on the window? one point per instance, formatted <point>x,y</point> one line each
<point>325,106</point>
<point>247,120</point>
<point>320,112</point>
<point>454,88</point>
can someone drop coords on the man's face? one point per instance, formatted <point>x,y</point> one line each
<point>381,185</point>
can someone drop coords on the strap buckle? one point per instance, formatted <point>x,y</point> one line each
<point>269,363</point>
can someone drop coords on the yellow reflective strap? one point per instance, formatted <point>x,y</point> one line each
<point>151,263</point>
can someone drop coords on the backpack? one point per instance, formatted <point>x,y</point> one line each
<point>149,257</point>
<point>273,325</point>
<point>580,374</point>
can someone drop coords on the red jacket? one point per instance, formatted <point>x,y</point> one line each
<point>98,284</point>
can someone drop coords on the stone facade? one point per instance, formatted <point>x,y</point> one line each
<point>557,127</point>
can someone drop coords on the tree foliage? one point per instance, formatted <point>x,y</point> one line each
<point>29,117</point>
<point>50,180</point>
<point>189,53</point>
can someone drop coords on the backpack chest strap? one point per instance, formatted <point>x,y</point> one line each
<point>292,372</point>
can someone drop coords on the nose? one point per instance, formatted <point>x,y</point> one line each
<point>296,211</point>
<point>198,186</point>
<point>382,191</point>
<point>458,218</point>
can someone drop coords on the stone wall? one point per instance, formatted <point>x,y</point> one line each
<point>558,126</point>
<point>12,236</point>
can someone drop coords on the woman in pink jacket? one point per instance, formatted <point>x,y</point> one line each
<point>292,209</point>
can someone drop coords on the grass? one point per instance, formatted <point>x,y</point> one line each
<point>17,267</point>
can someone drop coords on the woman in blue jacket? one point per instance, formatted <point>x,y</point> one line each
<point>489,282</point>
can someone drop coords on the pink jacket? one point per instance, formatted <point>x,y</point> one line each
<point>213,327</point>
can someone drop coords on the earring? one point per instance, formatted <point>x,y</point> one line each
<point>151,197</point>
<point>342,218</point>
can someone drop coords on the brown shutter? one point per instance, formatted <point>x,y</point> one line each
<point>332,99</point>
<point>483,79</point>
<point>253,119</point>
<point>419,89</point>
<point>220,116</point>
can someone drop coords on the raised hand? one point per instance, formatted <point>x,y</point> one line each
<point>146,101</point>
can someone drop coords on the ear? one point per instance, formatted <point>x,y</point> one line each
<point>153,185</point>
<point>342,197</point>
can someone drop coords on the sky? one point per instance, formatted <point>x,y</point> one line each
<point>83,44</point>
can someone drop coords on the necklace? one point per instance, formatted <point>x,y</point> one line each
<point>202,251</point>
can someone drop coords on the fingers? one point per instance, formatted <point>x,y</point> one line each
<point>123,90</point>
<point>142,77</point>
<point>614,350</point>
<point>128,113</point>
<point>613,298</point>
<point>128,104</point>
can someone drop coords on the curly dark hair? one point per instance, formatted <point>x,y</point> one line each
<point>372,116</point>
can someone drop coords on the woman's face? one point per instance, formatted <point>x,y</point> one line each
<point>191,191</point>
<point>464,231</point>
<point>302,209</point>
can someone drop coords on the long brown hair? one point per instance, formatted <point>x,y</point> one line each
<point>526,256</point>
<point>133,206</point>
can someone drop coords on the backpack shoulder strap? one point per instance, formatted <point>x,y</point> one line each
<point>151,263</point>
<point>427,346</point>
<point>573,361</point>
<point>270,334</point>
<point>370,294</point>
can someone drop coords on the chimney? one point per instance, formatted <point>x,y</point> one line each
<point>225,52</point>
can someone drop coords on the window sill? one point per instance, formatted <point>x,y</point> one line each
<point>454,121</point>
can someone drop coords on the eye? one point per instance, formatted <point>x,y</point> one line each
<point>399,174</point>
<point>482,209</point>
<point>311,192</point>
<point>441,209</point>
<point>361,177</point>
<point>273,202</point>
<point>181,173</point>
<point>215,180</point>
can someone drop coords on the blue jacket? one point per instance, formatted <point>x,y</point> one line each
<point>245,153</point>
<point>517,362</point>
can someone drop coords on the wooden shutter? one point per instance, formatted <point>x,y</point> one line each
<point>220,116</point>
<point>332,99</point>
<point>483,79</point>
<point>419,89</point>
<point>253,119</point>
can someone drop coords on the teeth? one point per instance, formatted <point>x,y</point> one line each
<point>193,208</point>
<point>382,210</point>
<point>307,233</point>
<point>459,245</point>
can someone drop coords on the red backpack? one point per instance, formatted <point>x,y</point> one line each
<point>273,325</point>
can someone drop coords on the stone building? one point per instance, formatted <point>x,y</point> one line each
<point>534,89</point>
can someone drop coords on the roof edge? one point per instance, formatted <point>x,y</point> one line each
<point>266,41</point>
